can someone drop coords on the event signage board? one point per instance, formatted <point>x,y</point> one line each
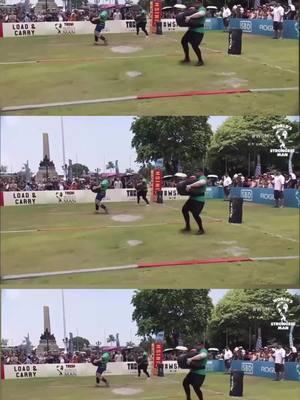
<point>155,13</point>
<point>27,371</point>
<point>266,369</point>
<point>266,196</point>
<point>265,27</point>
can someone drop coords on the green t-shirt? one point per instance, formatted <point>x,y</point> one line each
<point>200,198</point>
<point>202,21</point>
<point>204,362</point>
<point>145,357</point>
<point>103,16</point>
<point>104,184</point>
<point>105,358</point>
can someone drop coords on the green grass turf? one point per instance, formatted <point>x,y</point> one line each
<point>216,387</point>
<point>73,237</point>
<point>74,69</point>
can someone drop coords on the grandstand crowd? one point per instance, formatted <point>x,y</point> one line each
<point>19,183</point>
<point>21,356</point>
<point>18,14</point>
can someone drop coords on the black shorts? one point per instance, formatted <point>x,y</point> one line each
<point>193,205</point>
<point>277,26</point>
<point>278,194</point>
<point>101,369</point>
<point>195,380</point>
<point>195,38</point>
<point>279,368</point>
<point>99,27</point>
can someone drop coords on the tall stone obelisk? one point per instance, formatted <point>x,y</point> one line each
<point>47,168</point>
<point>47,341</point>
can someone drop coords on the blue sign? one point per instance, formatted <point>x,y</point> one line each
<point>214,192</point>
<point>265,27</point>
<point>266,196</point>
<point>215,366</point>
<point>266,369</point>
<point>213,24</point>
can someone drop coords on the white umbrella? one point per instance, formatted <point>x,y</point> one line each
<point>211,8</point>
<point>166,8</point>
<point>180,6</point>
<point>212,176</point>
<point>213,349</point>
<point>167,350</point>
<point>168,176</point>
<point>181,348</point>
<point>180,175</point>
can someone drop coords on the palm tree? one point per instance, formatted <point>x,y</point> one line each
<point>110,165</point>
<point>111,339</point>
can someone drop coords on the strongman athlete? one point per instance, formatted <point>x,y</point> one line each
<point>141,191</point>
<point>141,22</point>
<point>101,365</point>
<point>142,363</point>
<point>195,204</point>
<point>102,17</point>
<point>196,377</point>
<point>101,192</point>
<point>194,36</point>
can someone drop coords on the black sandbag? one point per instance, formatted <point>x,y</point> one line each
<point>181,188</point>
<point>182,361</point>
<point>193,23</point>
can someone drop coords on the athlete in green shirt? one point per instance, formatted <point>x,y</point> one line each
<point>100,25</point>
<point>101,192</point>
<point>195,204</point>
<point>141,22</point>
<point>196,377</point>
<point>101,365</point>
<point>142,363</point>
<point>194,36</point>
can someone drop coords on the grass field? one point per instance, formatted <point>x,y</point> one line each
<point>63,237</point>
<point>216,387</point>
<point>70,68</point>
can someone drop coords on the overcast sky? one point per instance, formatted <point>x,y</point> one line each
<point>92,141</point>
<point>90,313</point>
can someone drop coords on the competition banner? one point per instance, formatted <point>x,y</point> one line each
<point>156,182</point>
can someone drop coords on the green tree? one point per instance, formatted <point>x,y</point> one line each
<point>238,315</point>
<point>242,140</point>
<point>180,312</point>
<point>79,170</point>
<point>80,343</point>
<point>129,171</point>
<point>178,140</point>
<point>111,339</point>
<point>110,165</point>
<point>145,170</point>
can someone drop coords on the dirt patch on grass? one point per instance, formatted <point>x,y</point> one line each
<point>126,218</point>
<point>125,49</point>
<point>133,243</point>
<point>126,391</point>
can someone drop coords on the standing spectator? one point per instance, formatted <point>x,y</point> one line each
<point>227,359</point>
<point>117,15</point>
<point>226,15</point>
<point>278,14</point>
<point>118,184</point>
<point>278,182</point>
<point>226,185</point>
<point>279,356</point>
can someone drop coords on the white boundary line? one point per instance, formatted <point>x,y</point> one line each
<point>118,268</point>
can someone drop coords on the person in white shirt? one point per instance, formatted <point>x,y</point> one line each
<point>117,15</point>
<point>279,356</point>
<point>227,359</point>
<point>227,182</point>
<point>118,184</point>
<point>278,14</point>
<point>118,357</point>
<point>278,183</point>
<point>225,15</point>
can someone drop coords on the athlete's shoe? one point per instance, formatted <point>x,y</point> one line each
<point>185,61</point>
<point>200,64</point>
<point>185,230</point>
<point>201,232</point>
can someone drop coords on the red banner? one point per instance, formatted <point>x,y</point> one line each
<point>157,355</point>
<point>1,199</point>
<point>156,12</point>
<point>156,182</point>
<point>1,30</point>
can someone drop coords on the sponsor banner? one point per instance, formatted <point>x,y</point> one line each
<point>266,196</point>
<point>265,27</point>
<point>28,371</point>
<point>266,369</point>
<point>1,199</point>
<point>157,354</point>
<point>25,29</point>
<point>156,182</point>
